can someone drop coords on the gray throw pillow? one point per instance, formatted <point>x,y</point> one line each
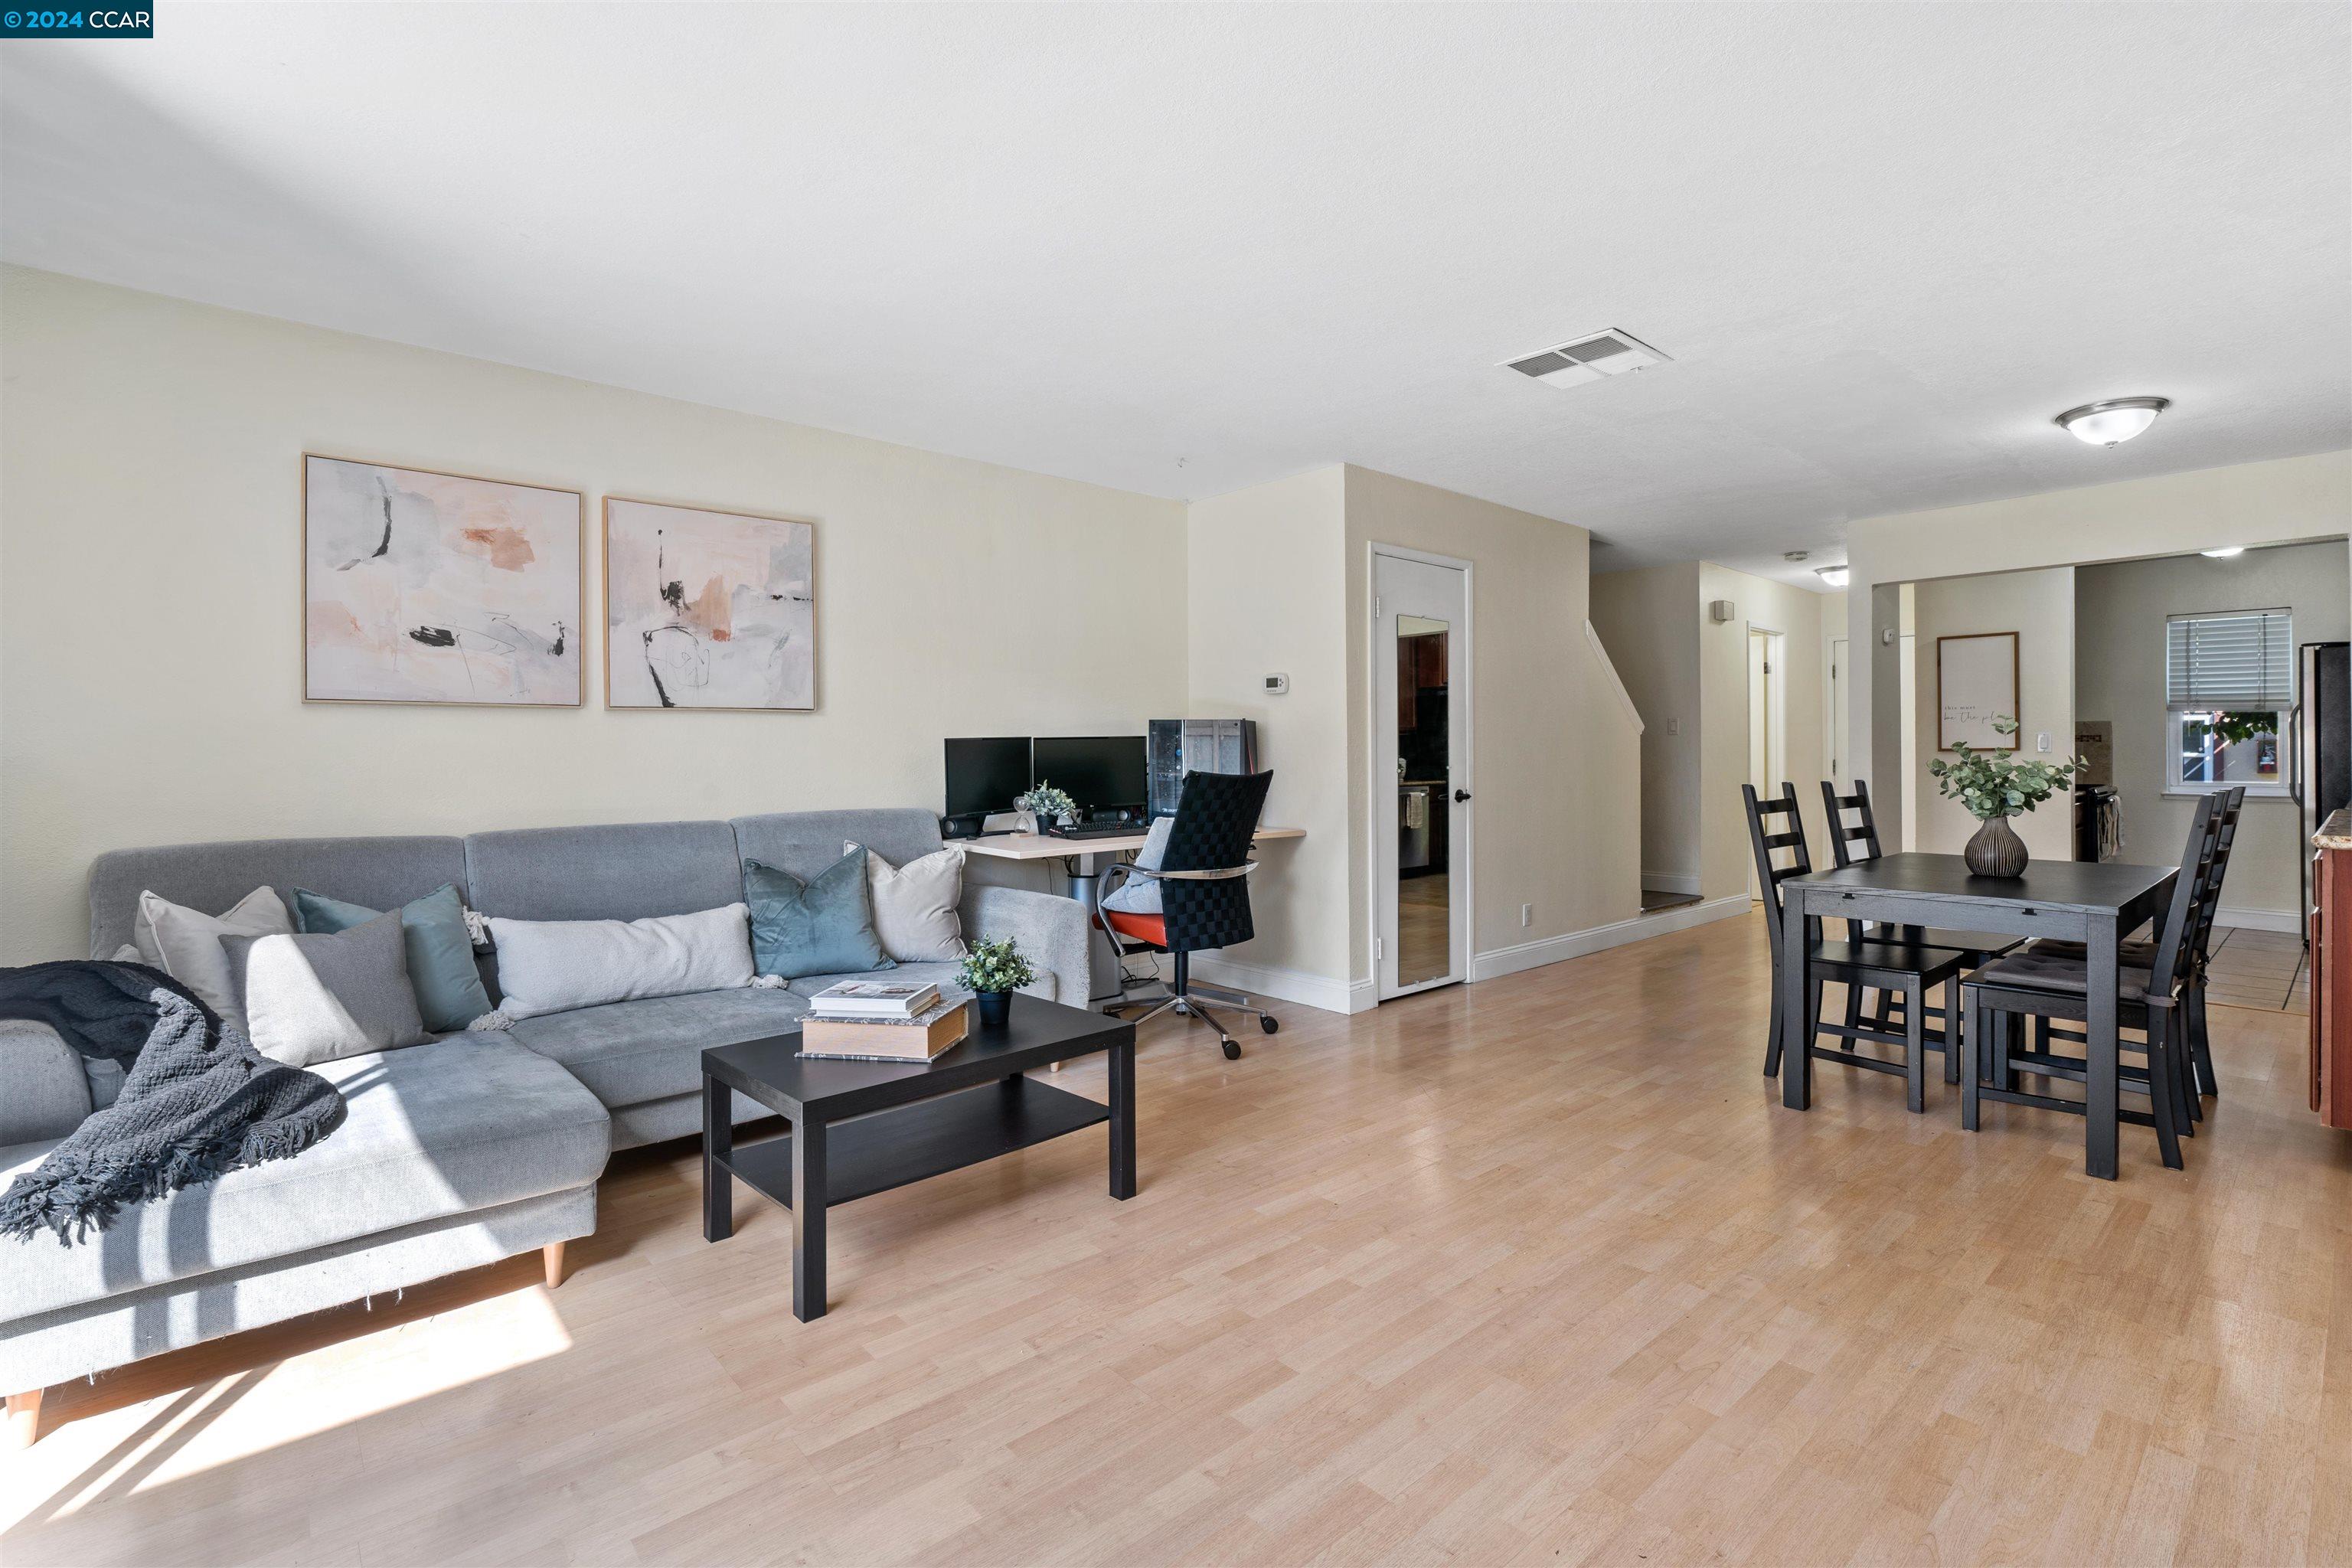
<point>320,998</point>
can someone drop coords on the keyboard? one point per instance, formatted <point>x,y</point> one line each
<point>1098,830</point>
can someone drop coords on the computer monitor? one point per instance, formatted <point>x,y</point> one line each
<point>1100,771</point>
<point>986,774</point>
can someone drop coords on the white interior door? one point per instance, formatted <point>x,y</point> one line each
<point>1421,767</point>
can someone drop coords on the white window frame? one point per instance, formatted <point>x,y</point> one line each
<point>2175,784</point>
<point>2203,698</point>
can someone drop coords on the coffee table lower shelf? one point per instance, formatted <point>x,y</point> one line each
<point>913,1143</point>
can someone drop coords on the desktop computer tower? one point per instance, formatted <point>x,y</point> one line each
<point>1179,746</point>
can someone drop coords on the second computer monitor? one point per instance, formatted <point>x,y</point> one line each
<point>1100,771</point>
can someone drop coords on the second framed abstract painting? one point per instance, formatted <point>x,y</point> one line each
<point>708,609</point>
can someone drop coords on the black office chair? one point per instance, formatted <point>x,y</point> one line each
<point>1203,881</point>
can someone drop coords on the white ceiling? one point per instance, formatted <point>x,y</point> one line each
<point>1184,248</point>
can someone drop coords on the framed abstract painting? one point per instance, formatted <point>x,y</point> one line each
<point>708,609</point>
<point>429,588</point>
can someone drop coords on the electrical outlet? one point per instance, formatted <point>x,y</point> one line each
<point>1527,914</point>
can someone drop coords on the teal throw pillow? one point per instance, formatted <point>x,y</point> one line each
<point>449,993</point>
<point>821,926</point>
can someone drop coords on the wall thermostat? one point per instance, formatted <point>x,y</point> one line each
<point>1278,683</point>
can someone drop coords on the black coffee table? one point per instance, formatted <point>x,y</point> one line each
<point>860,1127</point>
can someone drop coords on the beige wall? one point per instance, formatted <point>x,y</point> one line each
<point>2119,619</point>
<point>2039,607</point>
<point>1556,768</point>
<point>1649,621</point>
<point>150,613</point>
<point>2288,499</point>
<point>1265,578</point>
<point>1727,857</point>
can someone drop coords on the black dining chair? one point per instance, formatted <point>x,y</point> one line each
<point>2044,981</point>
<point>1906,969</point>
<point>2197,1062</point>
<point>1978,946</point>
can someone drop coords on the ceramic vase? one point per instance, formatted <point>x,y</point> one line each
<point>1996,850</point>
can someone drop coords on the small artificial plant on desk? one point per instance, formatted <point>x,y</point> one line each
<point>1995,789</point>
<point>992,972</point>
<point>1048,805</point>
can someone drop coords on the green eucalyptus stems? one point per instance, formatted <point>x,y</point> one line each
<point>1992,786</point>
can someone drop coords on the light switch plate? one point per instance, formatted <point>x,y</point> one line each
<point>2042,741</point>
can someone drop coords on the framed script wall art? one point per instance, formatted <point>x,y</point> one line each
<point>429,587</point>
<point>709,609</point>
<point>1975,682</point>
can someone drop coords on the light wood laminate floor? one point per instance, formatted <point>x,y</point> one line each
<point>1536,1271</point>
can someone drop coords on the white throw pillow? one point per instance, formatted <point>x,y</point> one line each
<point>324,996</point>
<point>1140,895</point>
<point>915,905</point>
<point>553,966</point>
<point>186,943</point>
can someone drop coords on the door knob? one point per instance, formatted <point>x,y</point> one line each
<point>1461,795</point>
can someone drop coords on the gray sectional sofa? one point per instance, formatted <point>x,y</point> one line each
<point>454,1154</point>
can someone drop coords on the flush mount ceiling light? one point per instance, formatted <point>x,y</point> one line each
<point>1612,352</point>
<point>1834,575</point>
<point>2225,552</point>
<point>2117,420</point>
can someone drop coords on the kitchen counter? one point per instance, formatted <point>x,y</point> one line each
<point>2336,833</point>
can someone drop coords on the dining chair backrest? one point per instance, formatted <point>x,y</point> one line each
<point>2233,800</point>
<point>1773,826</point>
<point>2176,939</point>
<point>1862,831</point>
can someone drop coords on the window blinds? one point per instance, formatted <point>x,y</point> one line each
<point>2242,660</point>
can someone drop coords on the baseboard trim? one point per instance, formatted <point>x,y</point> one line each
<point>2258,919</point>
<point>1683,882</point>
<point>1286,984</point>
<point>1577,944</point>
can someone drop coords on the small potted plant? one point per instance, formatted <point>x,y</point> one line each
<point>992,972</point>
<point>1048,805</point>
<point>1995,789</point>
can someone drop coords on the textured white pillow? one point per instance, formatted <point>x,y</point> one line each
<point>186,943</point>
<point>553,966</point>
<point>915,905</point>
<point>1140,895</point>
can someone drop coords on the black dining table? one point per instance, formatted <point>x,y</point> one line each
<point>2097,903</point>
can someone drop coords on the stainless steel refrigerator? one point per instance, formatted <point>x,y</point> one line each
<point>2319,739</point>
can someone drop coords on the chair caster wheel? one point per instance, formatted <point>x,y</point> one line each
<point>1232,1051</point>
<point>1268,1023</point>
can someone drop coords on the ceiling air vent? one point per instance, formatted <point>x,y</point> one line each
<point>1612,352</point>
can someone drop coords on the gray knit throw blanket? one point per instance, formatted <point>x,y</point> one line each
<point>197,1102</point>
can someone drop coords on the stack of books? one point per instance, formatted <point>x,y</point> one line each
<point>881,1021</point>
